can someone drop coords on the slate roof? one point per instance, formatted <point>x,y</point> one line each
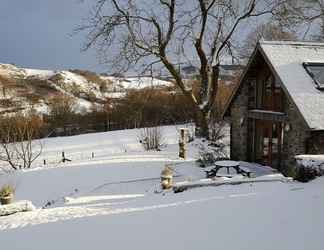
<point>286,61</point>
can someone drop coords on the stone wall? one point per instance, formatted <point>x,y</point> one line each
<point>239,124</point>
<point>295,138</point>
<point>294,141</point>
<point>316,143</point>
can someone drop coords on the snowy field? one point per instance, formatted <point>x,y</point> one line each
<point>113,201</point>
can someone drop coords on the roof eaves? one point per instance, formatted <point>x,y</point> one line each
<point>292,43</point>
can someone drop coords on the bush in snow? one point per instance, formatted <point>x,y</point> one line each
<point>214,149</point>
<point>7,190</point>
<point>304,174</point>
<point>151,138</point>
<point>308,167</point>
<point>209,153</point>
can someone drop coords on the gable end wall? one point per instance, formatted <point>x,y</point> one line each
<point>239,125</point>
<point>294,141</point>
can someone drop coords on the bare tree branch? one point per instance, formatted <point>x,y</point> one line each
<point>167,31</point>
<point>17,147</point>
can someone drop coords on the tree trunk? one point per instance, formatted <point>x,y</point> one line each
<point>321,36</point>
<point>202,124</point>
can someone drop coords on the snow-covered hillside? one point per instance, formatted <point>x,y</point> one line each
<point>114,201</point>
<point>21,87</point>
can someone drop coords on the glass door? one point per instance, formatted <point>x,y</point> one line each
<point>268,143</point>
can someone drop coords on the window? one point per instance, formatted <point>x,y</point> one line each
<point>316,71</point>
<point>271,95</point>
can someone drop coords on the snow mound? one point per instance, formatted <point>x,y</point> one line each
<point>38,73</point>
<point>16,207</point>
<point>315,162</point>
<point>89,199</point>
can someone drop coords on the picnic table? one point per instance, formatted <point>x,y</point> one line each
<point>228,165</point>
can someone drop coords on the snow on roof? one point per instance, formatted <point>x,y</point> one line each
<point>287,60</point>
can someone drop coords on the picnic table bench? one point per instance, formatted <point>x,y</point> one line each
<point>228,164</point>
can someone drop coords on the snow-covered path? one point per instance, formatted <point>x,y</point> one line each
<point>261,216</point>
<point>43,216</point>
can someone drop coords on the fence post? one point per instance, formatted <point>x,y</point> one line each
<point>183,143</point>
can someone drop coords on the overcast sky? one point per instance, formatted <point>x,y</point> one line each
<point>37,34</point>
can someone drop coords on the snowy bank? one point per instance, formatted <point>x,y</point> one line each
<point>16,207</point>
<point>239,179</point>
<point>315,162</point>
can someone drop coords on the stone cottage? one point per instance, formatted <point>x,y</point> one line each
<point>277,109</point>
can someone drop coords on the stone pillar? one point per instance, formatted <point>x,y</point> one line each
<point>183,143</point>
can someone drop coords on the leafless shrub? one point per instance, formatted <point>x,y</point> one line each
<point>17,147</point>
<point>217,133</point>
<point>91,77</point>
<point>151,138</point>
<point>140,108</point>
<point>61,110</point>
<point>214,149</point>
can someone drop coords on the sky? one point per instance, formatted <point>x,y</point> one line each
<point>38,34</point>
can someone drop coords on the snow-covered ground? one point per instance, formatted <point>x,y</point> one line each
<point>114,201</point>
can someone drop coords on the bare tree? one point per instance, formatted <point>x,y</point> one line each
<point>149,34</point>
<point>303,15</point>
<point>61,109</point>
<point>18,147</point>
<point>268,31</point>
<point>151,138</point>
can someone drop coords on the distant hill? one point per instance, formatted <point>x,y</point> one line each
<point>21,88</point>
<point>228,72</point>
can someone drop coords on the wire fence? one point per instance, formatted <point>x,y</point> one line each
<point>95,152</point>
<point>91,127</point>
